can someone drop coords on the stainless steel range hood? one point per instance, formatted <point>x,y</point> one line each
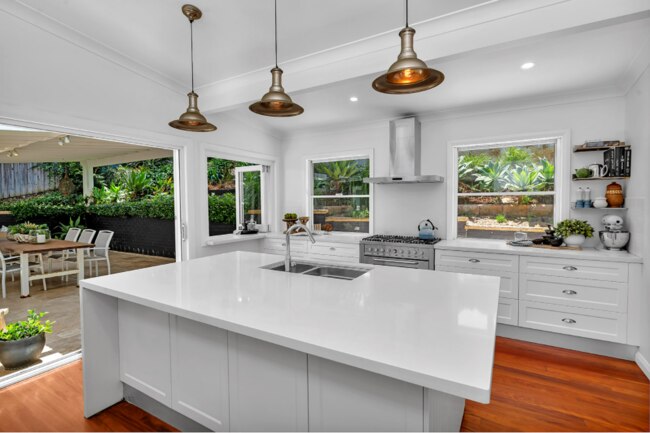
<point>405,155</point>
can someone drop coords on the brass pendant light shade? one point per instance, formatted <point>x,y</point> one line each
<point>276,102</point>
<point>192,120</point>
<point>408,74</point>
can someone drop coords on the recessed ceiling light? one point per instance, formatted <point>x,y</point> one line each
<point>353,99</point>
<point>527,65</point>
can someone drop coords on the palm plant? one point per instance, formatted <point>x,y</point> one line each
<point>338,173</point>
<point>137,183</point>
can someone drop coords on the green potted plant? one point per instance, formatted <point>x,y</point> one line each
<point>290,219</point>
<point>21,343</point>
<point>21,232</point>
<point>574,232</point>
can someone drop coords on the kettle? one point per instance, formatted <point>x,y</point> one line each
<point>425,230</point>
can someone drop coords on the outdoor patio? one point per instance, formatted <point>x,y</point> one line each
<point>61,301</point>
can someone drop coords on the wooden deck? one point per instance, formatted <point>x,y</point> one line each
<point>61,301</point>
<point>535,388</point>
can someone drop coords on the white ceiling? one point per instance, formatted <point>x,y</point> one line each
<point>233,37</point>
<point>41,146</point>
<point>566,63</point>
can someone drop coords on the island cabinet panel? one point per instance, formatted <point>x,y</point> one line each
<point>344,398</point>
<point>199,362</point>
<point>144,350</point>
<point>508,311</point>
<point>268,386</point>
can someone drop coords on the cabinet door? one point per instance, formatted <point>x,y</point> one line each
<point>344,398</point>
<point>200,372</point>
<point>144,350</point>
<point>507,311</point>
<point>268,386</point>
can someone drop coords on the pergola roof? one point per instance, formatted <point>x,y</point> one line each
<point>40,146</point>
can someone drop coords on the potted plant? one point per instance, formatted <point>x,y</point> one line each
<point>21,232</point>
<point>290,219</point>
<point>574,232</point>
<point>21,343</point>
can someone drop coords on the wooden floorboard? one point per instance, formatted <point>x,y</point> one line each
<point>534,388</point>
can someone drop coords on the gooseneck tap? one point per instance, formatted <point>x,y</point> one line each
<point>293,228</point>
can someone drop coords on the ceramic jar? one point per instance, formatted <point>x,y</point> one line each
<point>614,195</point>
<point>600,202</point>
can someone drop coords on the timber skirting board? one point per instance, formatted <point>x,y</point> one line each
<point>643,363</point>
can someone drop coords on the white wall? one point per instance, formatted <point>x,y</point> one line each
<point>637,128</point>
<point>53,83</point>
<point>399,208</point>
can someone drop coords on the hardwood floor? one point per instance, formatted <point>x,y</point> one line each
<point>543,388</point>
<point>535,388</point>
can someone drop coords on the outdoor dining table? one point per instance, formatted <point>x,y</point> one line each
<point>25,249</point>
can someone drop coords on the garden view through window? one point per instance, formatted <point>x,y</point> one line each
<point>234,194</point>
<point>503,189</point>
<point>340,199</point>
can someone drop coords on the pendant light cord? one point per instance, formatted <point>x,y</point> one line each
<point>276,33</point>
<point>407,13</point>
<point>192,51</point>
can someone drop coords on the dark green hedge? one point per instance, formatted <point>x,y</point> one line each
<point>221,208</point>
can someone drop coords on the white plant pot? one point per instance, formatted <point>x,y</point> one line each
<point>574,240</point>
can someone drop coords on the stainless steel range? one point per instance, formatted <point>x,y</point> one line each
<point>401,251</point>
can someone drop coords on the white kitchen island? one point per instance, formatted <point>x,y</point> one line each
<point>235,347</point>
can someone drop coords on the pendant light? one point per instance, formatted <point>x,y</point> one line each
<point>192,120</point>
<point>408,74</point>
<point>276,103</point>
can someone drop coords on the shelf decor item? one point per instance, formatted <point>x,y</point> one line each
<point>600,202</point>
<point>614,195</point>
<point>574,232</point>
<point>21,343</point>
<point>584,173</point>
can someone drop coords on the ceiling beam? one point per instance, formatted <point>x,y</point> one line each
<point>486,25</point>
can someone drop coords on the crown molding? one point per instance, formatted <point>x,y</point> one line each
<point>636,68</point>
<point>48,24</point>
<point>487,25</point>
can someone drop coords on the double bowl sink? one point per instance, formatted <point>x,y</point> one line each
<point>319,270</point>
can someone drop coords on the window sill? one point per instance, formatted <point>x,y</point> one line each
<point>231,239</point>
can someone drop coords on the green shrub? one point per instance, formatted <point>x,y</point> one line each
<point>570,227</point>
<point>26,328</point>
<point>501,219</point>
<point>158,207</point>
<point>221,209</point>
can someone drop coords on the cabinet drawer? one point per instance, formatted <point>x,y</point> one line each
<point>581,322</point>
<point>469,260</point>
<point>587,269</point>
<point>279,244</point>
<point>507,311</point>
<point>603,295</point>
<point>509,281</point>
<point>335,249</point>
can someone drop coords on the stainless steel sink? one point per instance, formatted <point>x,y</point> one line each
<point>320,270</point>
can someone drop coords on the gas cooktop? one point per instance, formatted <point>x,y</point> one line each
<point>400,240</point>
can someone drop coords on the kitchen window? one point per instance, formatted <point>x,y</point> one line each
<point>503,188</point>
<point>339,200</point>
<point>236,193</point>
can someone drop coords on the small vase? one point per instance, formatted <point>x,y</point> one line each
<point>574,240</point>
<point>614,195</point>
<point>600,202</point>
<point>16,354</point>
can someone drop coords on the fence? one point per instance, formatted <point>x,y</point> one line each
<point>23,179</point>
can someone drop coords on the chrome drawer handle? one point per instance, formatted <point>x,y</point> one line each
<point>570,268</point>
<point>567,320</point>
<point>570,292</point>
<point>474,261</point>
<point>332,249</point>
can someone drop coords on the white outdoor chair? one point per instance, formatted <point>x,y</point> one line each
<point>72,236</point>
<point>11,265</point>
<point>100,251</point>
<point>85,237</point>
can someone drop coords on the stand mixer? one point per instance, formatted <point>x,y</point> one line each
<point>614,237</point>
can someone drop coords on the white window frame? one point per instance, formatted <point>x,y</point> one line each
<point>269,193</point>
<point>239,203</point>
<point>562,173</point>
<point>366,154</point>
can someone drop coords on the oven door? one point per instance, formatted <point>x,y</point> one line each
<point>396,261</point>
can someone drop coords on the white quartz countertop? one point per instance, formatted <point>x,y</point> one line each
<point>232,238</point>
<point>500,246</point>
<point>433,329</point>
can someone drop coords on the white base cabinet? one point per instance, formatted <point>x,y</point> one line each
<point>583,298</point>
<point>302,248</point>
<point>199,371</point>
<point>230,382</point>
